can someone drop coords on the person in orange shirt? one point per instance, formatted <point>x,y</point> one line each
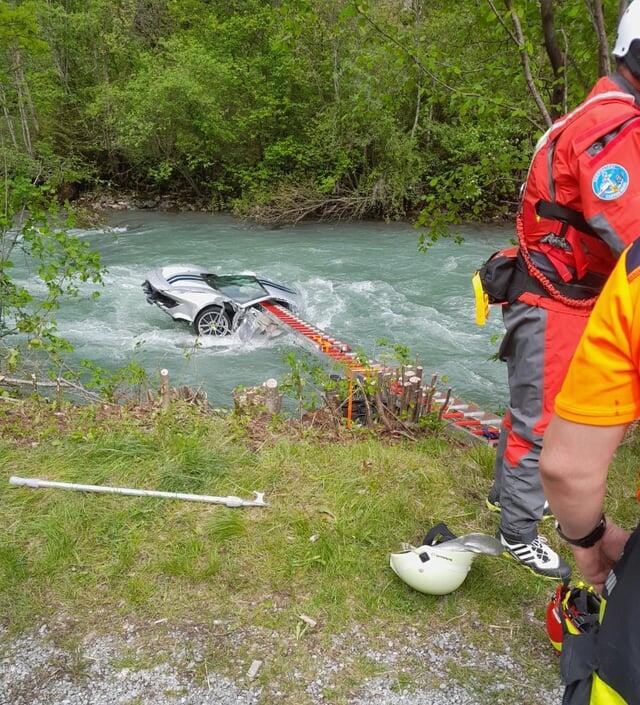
<point>598,400</point>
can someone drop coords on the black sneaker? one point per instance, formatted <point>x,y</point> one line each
<point>539,557</point>
<point>493,505</point>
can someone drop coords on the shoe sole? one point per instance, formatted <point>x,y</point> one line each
<point>512,558</point>
<point>498,510</point>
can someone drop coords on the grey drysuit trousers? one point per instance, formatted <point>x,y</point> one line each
<point>538,346</point>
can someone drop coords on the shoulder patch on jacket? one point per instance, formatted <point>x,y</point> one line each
<point>632,260</point>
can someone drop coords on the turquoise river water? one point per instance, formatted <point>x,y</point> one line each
<point>359,281</point>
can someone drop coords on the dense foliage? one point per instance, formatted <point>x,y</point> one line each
<point>33,230</point>
<point>291,107</point>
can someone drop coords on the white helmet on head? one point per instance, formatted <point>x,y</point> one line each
<point>438,568</point>
<point>628,29</point>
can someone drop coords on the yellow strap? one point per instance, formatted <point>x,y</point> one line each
<point>482,300</point>
<point>603,607</point>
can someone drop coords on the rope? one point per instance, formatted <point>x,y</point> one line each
<point>546,284</point>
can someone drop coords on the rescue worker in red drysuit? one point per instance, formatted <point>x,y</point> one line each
<point>580,207</point>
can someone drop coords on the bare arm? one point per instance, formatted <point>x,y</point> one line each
<point>573,466</point>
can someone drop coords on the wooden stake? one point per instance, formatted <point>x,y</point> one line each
<point>445,404</point>
<point>165,396</point>
<point>273,399</point>
<point>430,392</point>
<point>417,410</point>
<point>405,399</point>
<point>413,395</point>
<point>367,406</point>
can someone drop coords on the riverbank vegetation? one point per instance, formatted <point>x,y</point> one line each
<point>281,111</point>
<point>337,507</point>
<point>294,109</point>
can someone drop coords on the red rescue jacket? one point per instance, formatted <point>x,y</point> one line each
<point>581,201</point>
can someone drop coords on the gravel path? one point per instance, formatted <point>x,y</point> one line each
<point>166,666</point>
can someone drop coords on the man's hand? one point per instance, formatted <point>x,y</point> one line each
<point>596,562</point>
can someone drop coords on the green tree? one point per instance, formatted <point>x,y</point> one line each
<point>31,229</point>
<point>293,108</point>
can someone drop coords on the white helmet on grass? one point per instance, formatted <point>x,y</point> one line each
<point>439,567</point>
<point>431,569</point>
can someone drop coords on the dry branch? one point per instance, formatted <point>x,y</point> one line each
<point>293,204</point>
<point>56,384</point>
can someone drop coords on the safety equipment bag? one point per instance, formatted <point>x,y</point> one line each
<point>497,273</point>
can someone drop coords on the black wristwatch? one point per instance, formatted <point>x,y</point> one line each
<point>591,539</point>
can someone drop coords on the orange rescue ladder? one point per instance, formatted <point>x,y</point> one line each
<point>463,416</point>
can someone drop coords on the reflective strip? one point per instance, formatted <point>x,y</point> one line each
<point>611,582</point>
<point>605,231</point>
<point>557,645</point>
<point>551,153</point>
<point>604,694</point>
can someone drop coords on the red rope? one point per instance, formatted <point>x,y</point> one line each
<point>546,284</point>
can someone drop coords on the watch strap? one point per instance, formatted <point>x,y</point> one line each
<point>591,539</point>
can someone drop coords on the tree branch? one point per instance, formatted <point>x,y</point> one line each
<point>556,57</point>
<point>518,37</point>
<point>433,76</point>
<point>597,19</point>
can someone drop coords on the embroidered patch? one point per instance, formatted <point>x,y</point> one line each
<point>610,182</point>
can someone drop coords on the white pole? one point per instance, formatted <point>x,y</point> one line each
<point>231,501</point>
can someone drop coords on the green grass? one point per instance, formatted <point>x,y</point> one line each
<point>102,557</point>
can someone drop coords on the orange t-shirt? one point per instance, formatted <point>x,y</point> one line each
<point>602,386</point>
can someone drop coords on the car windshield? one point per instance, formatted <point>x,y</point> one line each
<point>240,288</point>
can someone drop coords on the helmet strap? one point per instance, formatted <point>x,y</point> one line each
<point>438,534</point>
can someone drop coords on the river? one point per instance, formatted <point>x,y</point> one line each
<point>360,281</point>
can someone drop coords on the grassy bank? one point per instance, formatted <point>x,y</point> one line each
<point>335,511</point>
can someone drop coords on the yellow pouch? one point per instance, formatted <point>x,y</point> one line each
<point>482,300</point>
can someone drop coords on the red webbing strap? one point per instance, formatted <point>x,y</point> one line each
<point>546,284</point>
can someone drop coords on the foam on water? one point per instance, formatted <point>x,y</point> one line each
<point>359,282</point>
<point>450,264</point>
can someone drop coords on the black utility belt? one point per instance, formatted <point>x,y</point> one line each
<point>505,277</point>
<point>523,282</point>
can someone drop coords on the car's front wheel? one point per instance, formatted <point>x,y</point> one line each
<point>212,320</point>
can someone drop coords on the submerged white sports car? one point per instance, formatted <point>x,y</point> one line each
<point>214,304</point>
